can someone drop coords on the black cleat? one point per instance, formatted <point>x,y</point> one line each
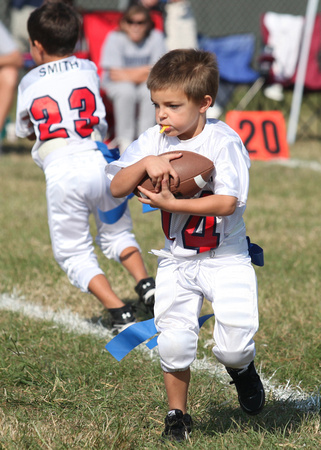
<point>121,318</point>
<point>249,388</point>
<point>178,426</point>
<point>146,292</point>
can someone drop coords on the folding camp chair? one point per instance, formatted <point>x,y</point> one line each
<point>282,36</point>
<point>234,55</point>
<point>96,26</point>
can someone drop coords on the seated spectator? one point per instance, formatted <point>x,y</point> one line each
<point>153,5</point>
<point>127,57</point>
<point>10,62</point>
<point>179,21</point>
<point>20,11</point>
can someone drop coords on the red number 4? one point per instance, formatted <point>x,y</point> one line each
<point>199,232</point>
<point>47,109</point>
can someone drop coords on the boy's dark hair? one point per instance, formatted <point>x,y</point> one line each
<point>56,25</point>
<point>193,71</point>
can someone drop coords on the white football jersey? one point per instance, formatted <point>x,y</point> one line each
<point>61,99</point>
<point>188,235</point>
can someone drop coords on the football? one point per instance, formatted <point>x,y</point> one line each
<point>194,171</point>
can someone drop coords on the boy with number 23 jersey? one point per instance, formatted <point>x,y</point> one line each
<point>59,105</point>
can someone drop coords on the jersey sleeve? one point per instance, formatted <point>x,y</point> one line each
<point>145,145</point>
<point>232,171</point>
<point>24,126</point>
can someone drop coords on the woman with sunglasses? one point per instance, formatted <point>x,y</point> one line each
<point>127,57</point>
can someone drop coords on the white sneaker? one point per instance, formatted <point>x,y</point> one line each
<point>214,112</point>
<point>274,92</point>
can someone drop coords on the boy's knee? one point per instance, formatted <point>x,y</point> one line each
<point>9,77</point>
<point>113,248</point>
<point>81,274</point>
<point>177,349</point>
<point>235,359</point>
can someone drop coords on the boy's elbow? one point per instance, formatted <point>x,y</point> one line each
<point>231,206</point>
<point>116,194</point>
<point>114,190</point>
<point>231,211</point>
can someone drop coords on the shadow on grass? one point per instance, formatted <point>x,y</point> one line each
<point>141,311</point>
<point>18,147</point>
<point>277,417</point>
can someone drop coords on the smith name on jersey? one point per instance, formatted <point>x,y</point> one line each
<point>58,66</point>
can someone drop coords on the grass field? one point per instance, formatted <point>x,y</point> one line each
<point>60,389</point>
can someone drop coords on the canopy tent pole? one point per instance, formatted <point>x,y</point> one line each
<point>302,67</point>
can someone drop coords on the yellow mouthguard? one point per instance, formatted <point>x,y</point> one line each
<point>164,128</point>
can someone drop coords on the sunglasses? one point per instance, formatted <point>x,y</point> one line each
<point>136,22</point>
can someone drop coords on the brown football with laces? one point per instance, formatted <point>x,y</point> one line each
<point>194,171</point>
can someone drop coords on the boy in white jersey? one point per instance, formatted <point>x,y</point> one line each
<point>59,105</point>
<point>183,85</point>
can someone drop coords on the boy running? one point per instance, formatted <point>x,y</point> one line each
<point>183,85</point>
<point>59,105</point>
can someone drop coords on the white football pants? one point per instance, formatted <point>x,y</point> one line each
<point>76,187</point>
<point>229,283</point>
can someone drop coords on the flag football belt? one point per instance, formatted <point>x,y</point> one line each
<point>50,146</point>
<point>255,252</point>
<point>58,148</point>
<point>58,145</point>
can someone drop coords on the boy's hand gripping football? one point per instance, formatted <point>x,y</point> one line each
<point>160,168</point>
<point>161,200</point>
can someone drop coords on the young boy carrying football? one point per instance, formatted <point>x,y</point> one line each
<point>59,105</point>
<point>206,251</point>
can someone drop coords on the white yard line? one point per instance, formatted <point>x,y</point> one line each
<point>297,164</point>
<point>72,322</point>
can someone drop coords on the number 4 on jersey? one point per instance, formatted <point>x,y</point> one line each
<point>199,232</point>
